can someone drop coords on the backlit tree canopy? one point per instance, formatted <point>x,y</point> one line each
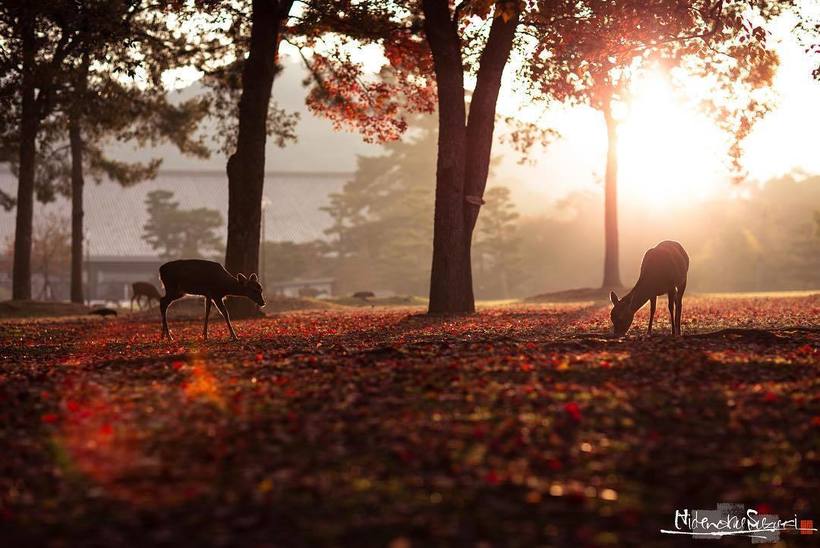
<point>574,52</point>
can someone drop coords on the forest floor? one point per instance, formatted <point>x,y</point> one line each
<point>520,425</point>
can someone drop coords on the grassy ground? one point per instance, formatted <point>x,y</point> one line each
<point>521,425</point>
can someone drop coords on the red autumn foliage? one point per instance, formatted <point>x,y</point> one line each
<point>327,418</point>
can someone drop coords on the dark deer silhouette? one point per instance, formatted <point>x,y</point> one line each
<point>210,280</point>
<point>140,290</point>
<point>663,270</point>
<point>364,295</point>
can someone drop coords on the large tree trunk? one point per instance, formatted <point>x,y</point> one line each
<point>77,184</point>
<point>450,277</point>
<point>463,152</point>
<point>481,125</point>
<point>29,122</point>
<point>612,277</point>
<point>246,166</point>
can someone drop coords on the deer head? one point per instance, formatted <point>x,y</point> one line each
<point>621,314</point>
<point>251,288</point>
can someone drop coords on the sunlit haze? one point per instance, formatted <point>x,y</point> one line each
<point>671,155</point>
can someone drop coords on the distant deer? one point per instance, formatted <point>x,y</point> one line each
<point>146,290</point>
<point>364,295</point>
<point>209,279</point>
<point>663,270</point>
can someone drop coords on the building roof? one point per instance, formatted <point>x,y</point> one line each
<point>115,216</point>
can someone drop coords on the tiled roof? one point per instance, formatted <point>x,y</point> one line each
<point>114,216</point>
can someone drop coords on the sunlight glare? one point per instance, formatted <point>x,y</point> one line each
<point>669,154</point>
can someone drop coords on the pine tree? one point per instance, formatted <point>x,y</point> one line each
<point>382,235</point>
<point>497,246</point>
<point>99,68</point>
<point>181,233</point>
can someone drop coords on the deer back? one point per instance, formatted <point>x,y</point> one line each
<point>145,289</point>
<point>664,266</point>
<point>198,277</point>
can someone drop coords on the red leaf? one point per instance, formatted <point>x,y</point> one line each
<point>492,478</point>
<point>573,410</point>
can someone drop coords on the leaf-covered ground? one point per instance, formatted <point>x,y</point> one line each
<point>517,426</point>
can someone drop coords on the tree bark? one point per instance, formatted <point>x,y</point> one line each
<point>481,123</point>
<point>612,276</point>
<point>463,151</point>
<point>246,166</point>
<point>450,274</point>
<point>29,122</point>
<point>77,184</point>
<point>480,129</point>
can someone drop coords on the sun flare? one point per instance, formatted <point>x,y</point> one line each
<point>669,153</point>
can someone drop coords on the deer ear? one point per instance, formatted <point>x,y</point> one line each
<point>613,297</point>
<point>253,277</point>
<point>241,277</point>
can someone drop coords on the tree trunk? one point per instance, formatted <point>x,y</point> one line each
<point>450,278</point>
<point>246,166</point>
<point>612,277</point>
<point>21,276</point>
<point>77,184</point>
<point>481,125</point>
<point>463,151</point>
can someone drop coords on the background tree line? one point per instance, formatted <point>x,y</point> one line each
<point>379,237</point>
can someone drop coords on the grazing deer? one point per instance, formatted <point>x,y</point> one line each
<point>663,270</point>
<point>209,279</point>
<point>144,289</point>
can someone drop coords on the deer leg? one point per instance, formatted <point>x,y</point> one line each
<point>670,296</point>
<point>132,303</point>
<point>652,302</point>
<point>207,313</point>
<point>220,305</point>
<point>679,306</point>
<point>164,303</point>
